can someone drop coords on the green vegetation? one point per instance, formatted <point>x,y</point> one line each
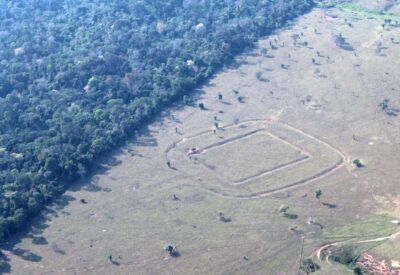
<point>387,109</point>
<point>284,211</point>
<point>341,42</point>
<point>358,163</point>
<point>80,80</point>
<point>344,255</point>
<point>318,194</point>
<point>358,8</point>
<point>309,266</point>
<point>384,105</point>
<point>171,250</point>
<point>358,237</point>
<point>357,271</point>
<point>365,228</point>
<point>240,99</point>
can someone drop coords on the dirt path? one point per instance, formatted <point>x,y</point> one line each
<point>380,239</point>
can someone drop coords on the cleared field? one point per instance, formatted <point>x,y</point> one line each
<point>253,158</point>
<point>266,153</point>
<point>295,129</point>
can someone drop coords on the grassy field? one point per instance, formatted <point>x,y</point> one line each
<point>375,11</point>
<point>281,157</point>
<point>307,109</point>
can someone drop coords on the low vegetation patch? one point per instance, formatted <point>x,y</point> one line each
<point>387,108</point>
<point>365,228</point>
<point>309,266</point>
<point>345,255</point>
<point>378,14</point>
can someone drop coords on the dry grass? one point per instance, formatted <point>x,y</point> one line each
<point>131,213</point>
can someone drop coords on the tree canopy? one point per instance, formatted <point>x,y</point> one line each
<point>78,77</point>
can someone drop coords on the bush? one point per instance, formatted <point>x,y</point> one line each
<point>358,163</point>
<point>344,255</point>
<point>309,266</point>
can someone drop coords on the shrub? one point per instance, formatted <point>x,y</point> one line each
<point>344,255</point>
<point>358,163</point>
<point>309,266</point>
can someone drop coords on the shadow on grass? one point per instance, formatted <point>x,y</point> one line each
<point>34,227</point>
<point>329,205</point>
<point>290,216</point>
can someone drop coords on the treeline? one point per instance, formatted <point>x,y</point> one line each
<point>78,77</point>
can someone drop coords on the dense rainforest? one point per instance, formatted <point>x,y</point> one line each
<point>78,77</point>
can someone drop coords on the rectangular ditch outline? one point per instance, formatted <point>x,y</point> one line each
<point>305,156</point>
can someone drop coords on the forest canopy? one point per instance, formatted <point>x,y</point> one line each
<point>78,77</point>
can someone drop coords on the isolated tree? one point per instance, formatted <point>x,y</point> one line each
<point>284,66</point>
<point>283,210</point>
<point>222,218</point>
<point>171,250</point>
<point>384,105</point>
<point>358,163</point>
<point>309,266</point>
<point>318,194</point>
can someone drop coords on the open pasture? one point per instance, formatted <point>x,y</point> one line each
<point>253,158</point>
<point>296,112</point>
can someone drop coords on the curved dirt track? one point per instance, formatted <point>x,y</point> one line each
<point>379,239</point>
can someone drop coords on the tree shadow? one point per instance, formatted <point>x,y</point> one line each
<point>26,255</point>
<point>253,54</point>
<point>5,266</point>
<point>208,84</point>
<point>34,227</point>
<point>114,262</point>
<point>57,249</point>
<point>145,139</point>
<point>175,254</point>
<point>290,216</point>
<point>62,201</point>
<point>91,187</point>
<point>33,230</point>
<point>329,205</point>
<point>235,64</point>
<point>39,240</point>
